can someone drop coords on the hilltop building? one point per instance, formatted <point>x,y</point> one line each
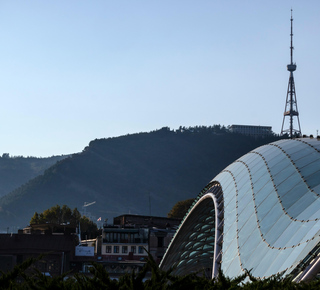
<point>255,131</point>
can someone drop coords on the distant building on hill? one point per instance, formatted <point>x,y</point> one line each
<point>255,131</point>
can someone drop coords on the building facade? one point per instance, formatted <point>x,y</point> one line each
<point>58,251</point>
<point>262,213</point>
<point>126,243</point>
<point>255,131</point>
<point>122,248</point>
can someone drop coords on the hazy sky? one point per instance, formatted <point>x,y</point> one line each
<point>73,71</point>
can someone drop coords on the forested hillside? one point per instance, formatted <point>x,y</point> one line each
<point>17,170</point>
<point>139,174</point>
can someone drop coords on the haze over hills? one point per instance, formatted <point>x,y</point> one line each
<point>17,170</point>
<point>139,174</point>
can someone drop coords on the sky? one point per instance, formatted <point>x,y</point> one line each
<point>77,70</point>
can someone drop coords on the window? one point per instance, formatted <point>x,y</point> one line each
<point>141,250</point>
<point>108,249</point>
<point>133,249</point>
<point>124,238</point>
<point>124,249</point>
<point>116,249</point>
<point>160,242</point>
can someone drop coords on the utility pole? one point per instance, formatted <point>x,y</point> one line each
<point>84,208</point>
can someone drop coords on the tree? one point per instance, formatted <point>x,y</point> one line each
<point>180,209</point>
<point>64,215</point>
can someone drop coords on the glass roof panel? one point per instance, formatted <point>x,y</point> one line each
<point>229,253</point>
<point>300,155</point>
<point>297,147</point>
<point>287,184</point>
<point>276,160</point>
<point>309,211</point>
<point>248,157</point>
<point>247,218</point>
<point>302,203</point>
<point>246,248</point>
<point>274,152</point>
<point>269,202</point>
<point>287,145</point>
<point>270,218</point>
<point>310,169</point>
<point>229,235</point>
<point>279,263</point>
<point>298,236</point>
<point>286,235</point>
<point>258,165</point>
<point>229,220</point>
<point>283,174</point>
<point>294,194</point>
<point>263,193</point>
<point>316,215</point>
<point>246,204</point>
<point>267,260</point>
<point>271,195</point>
<point>254,161</point>
<point>267,149</point>
<point>307,159</point>
<point>256,174</point>
<point>256,257</point>
<point>277,229</point>
<point>234,267</point>
<point>315,144</point>
<point>312,232</point>
<point>261,182</point>
<point>313,181</point>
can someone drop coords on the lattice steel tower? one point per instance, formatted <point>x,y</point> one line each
<point>291,107</point>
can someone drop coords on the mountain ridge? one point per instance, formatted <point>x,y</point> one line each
<point>17,170</point>
<point>135,173</point>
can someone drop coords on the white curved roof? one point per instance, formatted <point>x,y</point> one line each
<point>270,213</point>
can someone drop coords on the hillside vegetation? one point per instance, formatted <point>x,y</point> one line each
<point>17,170</point>
<point>145,173</point>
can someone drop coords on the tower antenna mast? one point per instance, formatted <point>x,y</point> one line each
<point>291,107</point>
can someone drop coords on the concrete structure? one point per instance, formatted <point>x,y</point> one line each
<point>58,250</point>
<point>59,245</point>
<point>262,212</point>
<point>122,248</point>
<point>159,240</point>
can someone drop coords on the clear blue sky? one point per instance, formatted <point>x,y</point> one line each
<point>73,71</point>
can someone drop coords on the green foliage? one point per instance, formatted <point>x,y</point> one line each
<point>58,215</point>
<point>24,276</point>
<point>9,280</point>
<point>88,228</point>
<point>64,215</point>
<point>180,208</point>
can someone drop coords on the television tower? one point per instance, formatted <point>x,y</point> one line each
<point>291,107</point>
